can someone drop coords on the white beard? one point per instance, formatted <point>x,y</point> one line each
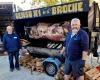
<point>74,31</point>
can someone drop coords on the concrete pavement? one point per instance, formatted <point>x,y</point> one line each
<point>23,74</point>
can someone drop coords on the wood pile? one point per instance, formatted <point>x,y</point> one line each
<point>24,42</point>
<point>60,74</point>
<point>87,68</point>
<point>93,74</point>
<point>33,64</point>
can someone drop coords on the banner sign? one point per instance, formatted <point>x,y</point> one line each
<point>74,7</point>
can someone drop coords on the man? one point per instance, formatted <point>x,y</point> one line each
<point>76,47</point>
<point>12,45</point>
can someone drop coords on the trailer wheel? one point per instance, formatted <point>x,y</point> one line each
<point>50,68</point>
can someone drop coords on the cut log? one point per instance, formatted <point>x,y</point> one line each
<point>96,76</point>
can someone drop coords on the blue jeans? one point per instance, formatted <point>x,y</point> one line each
<point>12,55</point>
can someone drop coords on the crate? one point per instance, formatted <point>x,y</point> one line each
<point>93,74</point>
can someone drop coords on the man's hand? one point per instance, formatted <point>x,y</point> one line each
<point>5,52</point>
<point>84,55</point>
<point>62,50</point>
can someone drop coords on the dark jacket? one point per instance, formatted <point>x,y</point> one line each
<point>11,42</point>
<point>75,45</point>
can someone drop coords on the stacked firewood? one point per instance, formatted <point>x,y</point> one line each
<point>24,42</point>
<point>60,73</point>
<point>87,68</point>
<point>33,64</point>
<point>39,66</point>
<point>93,74</point>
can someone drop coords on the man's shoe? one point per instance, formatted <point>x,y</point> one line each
<point>11,70</point>
<point>18,69</point>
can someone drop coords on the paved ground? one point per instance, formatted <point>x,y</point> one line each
<point>23,74</point>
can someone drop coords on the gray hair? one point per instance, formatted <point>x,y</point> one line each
<point>9,27</point>
<point>75,20</point>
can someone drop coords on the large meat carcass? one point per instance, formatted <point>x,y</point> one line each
<point>43,30</point>
<point>55,32</point>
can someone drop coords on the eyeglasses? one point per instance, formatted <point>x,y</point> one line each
<point>75,25</point>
